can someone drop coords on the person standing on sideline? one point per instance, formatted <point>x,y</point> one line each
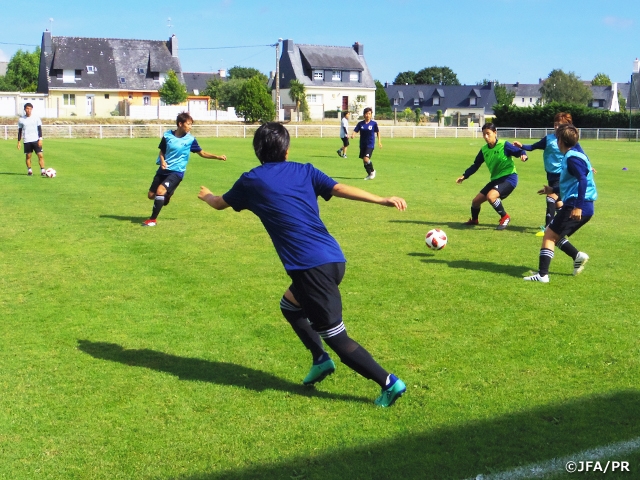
<point>496,154</point>
<point>344,134</point>
<point>578,191</point>
<point>175,150</point>
<point>30,128</point>
<point>284,196</point>
<point>368,130</point>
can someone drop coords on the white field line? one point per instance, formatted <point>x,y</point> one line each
<point>614,451</point>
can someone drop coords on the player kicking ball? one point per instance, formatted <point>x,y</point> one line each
<point>175,150</point>
<point>284,196</point>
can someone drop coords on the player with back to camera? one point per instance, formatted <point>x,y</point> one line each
<point>30,127</point>
<point>284,196</point>
<point>578,191</point>
<point>175,149</point>
<point>368,129</point>
<point>552,158</point>
<point>496,155</point>
<point>344,134</point>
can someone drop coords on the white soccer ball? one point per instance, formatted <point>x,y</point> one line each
<point>436,239</point>
<point>50,172</point>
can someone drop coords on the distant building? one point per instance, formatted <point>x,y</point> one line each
<point>3,68</point>
<point>196,82</point>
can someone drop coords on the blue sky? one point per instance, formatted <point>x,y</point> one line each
<point>504,40</point>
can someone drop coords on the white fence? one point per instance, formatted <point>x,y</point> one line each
<point>316,131</point>
<point>168,112</point>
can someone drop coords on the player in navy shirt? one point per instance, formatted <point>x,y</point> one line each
<point>578,191</point>
<point>284,196</point>
<point>368,131</point>
<point>175,147</point>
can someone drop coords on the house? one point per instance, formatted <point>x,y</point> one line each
<point>473,102</point>
<point>335,78</point>
<point>526,94</point>
<point>89,77</point>
<point>196,82</point>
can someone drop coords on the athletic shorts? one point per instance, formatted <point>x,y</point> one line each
<point>345,141</point>
<point>316,290</point>
<point>503,187</point>
<point>564,225</point>
<point>168,178</point>
<point>32,147</point>
<point>366,152</point>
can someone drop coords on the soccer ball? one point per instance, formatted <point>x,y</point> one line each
<point>50,172</point>
<point>436,239</point>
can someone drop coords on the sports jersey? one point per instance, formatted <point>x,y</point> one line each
<point>577,186</point>
<point>498,160</point>
<point>552,156</point>
<point>284,196</point>
<point>367,133</point>
<point>31,128</point>
<point>344,129</point>
<point>177,150</point>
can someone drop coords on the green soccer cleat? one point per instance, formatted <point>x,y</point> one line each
<point>319,372</point>
<point>389,395</point>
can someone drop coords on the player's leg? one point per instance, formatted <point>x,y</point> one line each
<point>154,190</point>
<point>495,196</point>
<point>41,161</point>
<point>579,258</point>
<point>295,315</point>
<point>365,155</point>
<point>476,204</point>
<point>27,155</point>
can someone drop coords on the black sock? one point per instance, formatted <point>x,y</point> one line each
<point>546,255</point>
<point>551,211</point>
<point>368,166</point>
<point>497,206</point>
<point>567,247</point>
<point>300,324</point>
<point>354,356</point>
<point>158,203</point>
<point>475,212</point>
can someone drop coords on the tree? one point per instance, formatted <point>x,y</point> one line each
<point>298,94</point>
<point>622,102</point>
<point>255,103</point>
<point>246,73</point>
<point>405,77</point>
<point>436,76</point>
<point>565,87</point>
<point>22,72</point>
<point>213,90</point>
<point>601,80</point>
<point>382,99</point>
<point>172,92</point>
<point>504,96</point>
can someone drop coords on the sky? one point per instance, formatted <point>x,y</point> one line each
<point>503,40</point>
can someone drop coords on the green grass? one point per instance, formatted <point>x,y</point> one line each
<point>161,353</point>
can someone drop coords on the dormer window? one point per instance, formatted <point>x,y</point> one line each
<point>91,69</point>
<point>396,101</point>
<point>354,76</point>
<point>78,75</point>
<point>68,76</point>
<point>318,74</point>
<point>122,80</point>
<point>141,70</point>
<point>436,100</point>
<point>473,101</point>
<point>336,75</point>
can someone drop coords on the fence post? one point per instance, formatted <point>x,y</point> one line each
<point>5,132</point>
<point>456,132</point>
<point>100,132</point>
<point>296,131</point>
<point>414,132</point>
<point>597,134</point>
<point>435,132</point>
<point>320,131</point>
<point>70,132</point>
<point>530,133</point>
<point>616,134</point>
<point>130,131</point>
<point>217,131</point>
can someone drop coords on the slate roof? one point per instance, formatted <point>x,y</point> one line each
<point>298,62</point>
<point>531,90</point>
<point>105,63</point>
<point>198,80</point>
<point>633,100</point>
<point>451,97</point>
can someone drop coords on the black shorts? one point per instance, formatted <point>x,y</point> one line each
<point>316,290</point>
<point>503,187</point>
<point>345,141</point>
<point>32,147</point>
<point>564,225</point>
<point>168,178</point>
<point>366,152</point>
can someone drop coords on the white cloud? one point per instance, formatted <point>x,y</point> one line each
<point>617,22</point>
<point>3,57</point>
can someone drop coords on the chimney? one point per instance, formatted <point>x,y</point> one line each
<point>46,43</point>
<point>222,72</point>
<point>173,46</point>
<point>359,48</point>
<point>287,45</point>
<point>636,66</point>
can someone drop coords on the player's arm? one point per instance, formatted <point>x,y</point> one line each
<point>204,154</point>
<point>19,136</point>
<point>578,168</point>
<point>353,193</point>
<point>379,140</point>
<point>513,151</point>
<point>40,135</point>
<point>163,162</point>
<point>539,145</point>
<point>472,169</point>
<point>215,201</point>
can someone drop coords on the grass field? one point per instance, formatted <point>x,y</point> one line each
<point>161,353</point>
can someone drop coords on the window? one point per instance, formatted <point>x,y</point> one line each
<point>131,96</point>
<point>146,100</point>
<point>69,99</point>
<point>141,71</point>
<point>318,75</point>
<point>361,98</point>
<point>436,100</point>
<point>354,76</point>
<point>314,98</point>
<point>123,80</point>
<point>78,75</point>
<point>59,74</point>
<point>416,101</point>
<point>196,91</point>
<point>91,69</point>
<point>68,76</point>
<point>396,101</point>
<point>106,96</point>
<point>530,100</point>
<point>336,75</point>
<point>473,101</point>
<point>522,99</point>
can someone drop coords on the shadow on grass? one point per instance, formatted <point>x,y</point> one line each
<point>14,173</point>
<point>462,226</point>
<point>512,270</point>
<point>348,178</point>
<point>529,437</point>
<point>125,218</point>
<point>195,369</point>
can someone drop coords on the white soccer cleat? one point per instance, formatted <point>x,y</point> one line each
<point>579,262</point>
<point>537,278</point>
<point>371,176</point>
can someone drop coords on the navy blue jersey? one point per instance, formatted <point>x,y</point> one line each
<point>284,196</point>
<point>552,156</point>
<point>176,150</point>
<point>367,133</point>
